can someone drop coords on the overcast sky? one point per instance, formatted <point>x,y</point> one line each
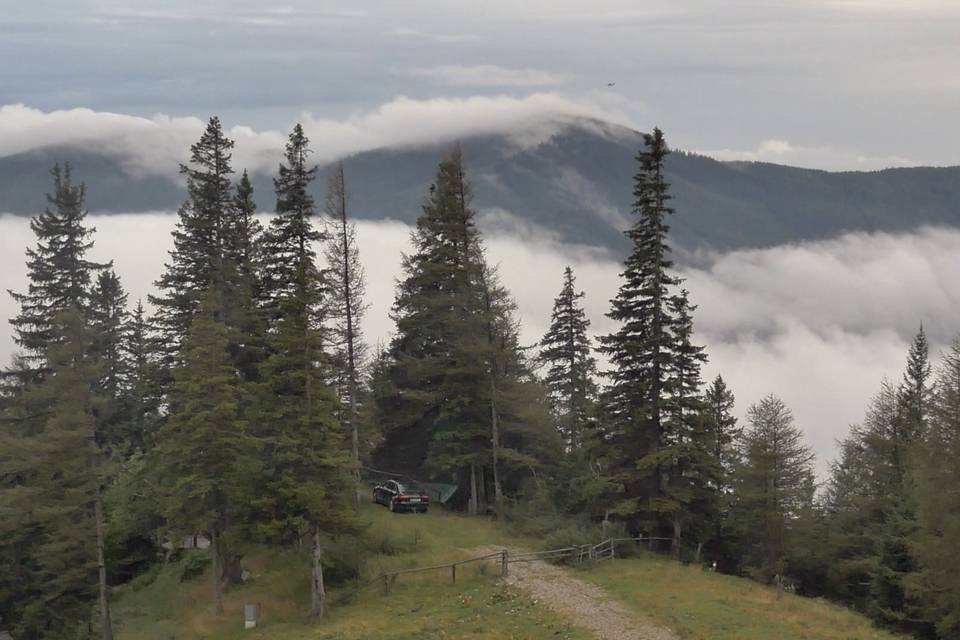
<point>830,83</point>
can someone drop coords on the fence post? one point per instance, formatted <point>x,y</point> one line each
<point>386,584</point>
<point>503,564</point>
<point>453,573</point>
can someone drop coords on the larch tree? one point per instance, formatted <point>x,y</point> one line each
<point>347,307</point>
<point>566,353</point>
<point>775,484</point>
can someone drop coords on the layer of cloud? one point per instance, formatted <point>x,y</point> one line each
<point>827,158</point>
<point>486,75</point>
<point>159,143</point>
<point>819,324</point>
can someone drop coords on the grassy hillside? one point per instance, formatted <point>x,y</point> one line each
<point>702,605</point>
<point>694,603</point>
<point>421,606</point>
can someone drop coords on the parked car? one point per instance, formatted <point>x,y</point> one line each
<point>401,496</point>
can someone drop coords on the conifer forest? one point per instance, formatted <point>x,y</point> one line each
<point>243,403</point>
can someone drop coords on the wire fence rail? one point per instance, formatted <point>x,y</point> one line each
<point>604,550</point>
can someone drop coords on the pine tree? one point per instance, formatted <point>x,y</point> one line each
<point>51,478</point>
<point>775,485</point>
<point>58,269</point>
<point>347,288</point>
<point>199,240</point>
<point>640,350</point>
<point>566,352</point>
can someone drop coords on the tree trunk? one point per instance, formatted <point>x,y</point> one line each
<point>495,442</point>
<point>348,294</point>
<point>216,607</point>
<point>232,569</point>
<point>675,544</point>
<point>106,627</point>
<point>318,595</point>
<point>472,505</point>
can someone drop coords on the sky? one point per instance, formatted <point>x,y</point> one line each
<point>837,84</point>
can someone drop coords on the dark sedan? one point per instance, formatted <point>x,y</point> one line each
<point>401,496</point>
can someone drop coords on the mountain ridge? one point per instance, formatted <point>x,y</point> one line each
<point>576,183</point>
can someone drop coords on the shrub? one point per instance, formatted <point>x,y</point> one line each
<point>194,564</point>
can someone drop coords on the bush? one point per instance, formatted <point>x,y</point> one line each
<point>194,564</point>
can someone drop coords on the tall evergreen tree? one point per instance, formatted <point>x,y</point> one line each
<point>58,269</point>
<point>438,422</point>
<point>205,459</point>
<point>640,351</point>
<point>347,288</point>
<point>199,240</point>
<point>566,352</point>
<point>143,393</point>
<point>725,432</point>
<point>937,474</point>
<point>108,319</point>
<point>290,237</point>
<point>51,477</point>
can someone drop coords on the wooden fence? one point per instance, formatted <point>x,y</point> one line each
<point>604,550</point>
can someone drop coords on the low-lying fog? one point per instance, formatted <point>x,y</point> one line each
<point>819,324</point>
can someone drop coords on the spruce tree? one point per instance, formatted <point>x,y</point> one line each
<point>51,476</point>
<point>440,421</point>
<point>690,472</point>
<point>640,350</point>
<point>199,240</point>
<point>205,460</point>
<point>108,319</point>
<point>143,394</point>
<point>58,270</point>
<point>289,239</point>
<point>566,352</point>
<point>725,433</point>
<point>347,287</point>
<point>936,475</point>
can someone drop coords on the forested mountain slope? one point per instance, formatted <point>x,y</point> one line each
<point>574,183</point>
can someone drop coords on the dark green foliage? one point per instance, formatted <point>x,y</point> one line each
<point>654,434</point>
<point>206,456</point>
<point>937,475</point>
<point>50,469</point>
<point>566,353</point>
<point>199,240</point>
<point>436,420</point>
<point>57,268</point>
<point>289,239</point>
<point>143,391</point>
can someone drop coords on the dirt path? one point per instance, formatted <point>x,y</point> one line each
<point>585,605</point>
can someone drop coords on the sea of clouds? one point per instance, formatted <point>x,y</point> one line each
<point>819,324</point>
